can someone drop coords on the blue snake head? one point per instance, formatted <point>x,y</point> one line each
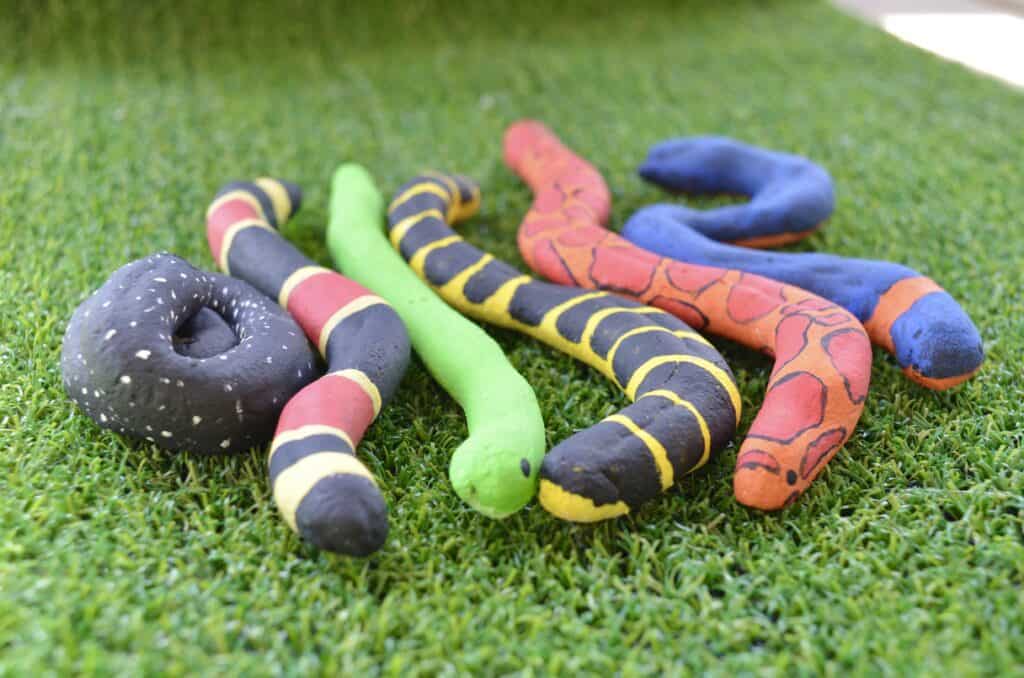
<point>936,342</point>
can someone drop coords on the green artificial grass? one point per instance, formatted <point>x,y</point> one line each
<point>119,120</point>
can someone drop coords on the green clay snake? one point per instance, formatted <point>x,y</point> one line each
<point>495,469</point>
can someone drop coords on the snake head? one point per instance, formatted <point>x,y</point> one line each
<point>493,480</point>
<point>936,343</point>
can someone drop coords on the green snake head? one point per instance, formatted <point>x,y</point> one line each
<point>492,478</point>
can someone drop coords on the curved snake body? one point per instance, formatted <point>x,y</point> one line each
<point>790,197</point>
<point>817,388</point>
<point>323,491</point>
<point>686,405</point>
<point>495,468</point>
<point>904,312</point>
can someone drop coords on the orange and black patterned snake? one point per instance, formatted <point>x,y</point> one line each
<point>816,391</point>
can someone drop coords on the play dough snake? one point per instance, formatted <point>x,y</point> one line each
<point>324,493</point>
<point>183,358</point>
<point>790,196</point>
<point>686,405</point>
<point>904,312</point>
<point>495,469</point>
<point>817,388</point>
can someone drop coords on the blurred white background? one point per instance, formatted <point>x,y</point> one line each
<point>985,35</point>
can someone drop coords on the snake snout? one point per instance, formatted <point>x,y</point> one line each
<point>574,488</point>
<point>936,340</point>
<point>344,514</point>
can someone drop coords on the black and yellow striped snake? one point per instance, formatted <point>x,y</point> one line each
<point>685,402</point>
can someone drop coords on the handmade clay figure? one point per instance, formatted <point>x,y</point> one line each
<point>904,312</point>
<point>685,402</point>
<point>183,358</point>
<point>495,469</point>
<point>323,491</point>
<point>817,388</point>
<point>790,196</point>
